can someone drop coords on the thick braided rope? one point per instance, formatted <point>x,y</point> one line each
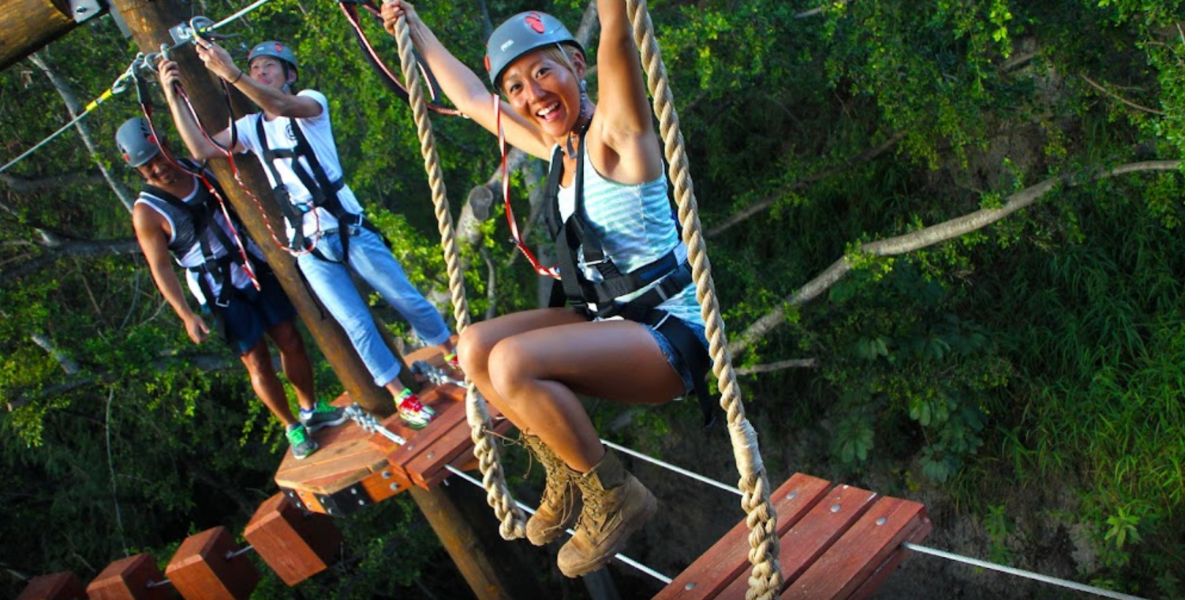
<point>766,580</point>
<point>512,521</point>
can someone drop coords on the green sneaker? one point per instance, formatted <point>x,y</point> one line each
<point>322,415</point>
<point>302,445</point>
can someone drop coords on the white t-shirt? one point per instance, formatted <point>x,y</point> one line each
<point>318,131</point>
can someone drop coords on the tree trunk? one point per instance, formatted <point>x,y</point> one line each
<point>150,22</point>
<point>28,25</point>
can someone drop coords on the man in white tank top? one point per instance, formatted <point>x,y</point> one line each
<point>177,216</point>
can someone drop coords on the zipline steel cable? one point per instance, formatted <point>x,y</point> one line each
<point>117,87</point>
<point>122,82</point>
<point>910,546</point>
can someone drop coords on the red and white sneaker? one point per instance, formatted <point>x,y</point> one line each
<point>412,411</point>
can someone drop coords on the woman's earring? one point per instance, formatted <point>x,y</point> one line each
<point>582,86</point>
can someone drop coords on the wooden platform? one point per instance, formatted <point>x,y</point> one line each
<point>354,469</point>
<point>836,542</point>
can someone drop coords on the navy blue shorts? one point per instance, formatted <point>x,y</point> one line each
<point>673,355</point>
<point>246,319</point>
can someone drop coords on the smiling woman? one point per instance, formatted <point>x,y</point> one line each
<point>633,323</point>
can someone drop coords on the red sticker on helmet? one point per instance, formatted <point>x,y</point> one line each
<point>278,47</point>
<point>534,21</point>
<point>487,63</point>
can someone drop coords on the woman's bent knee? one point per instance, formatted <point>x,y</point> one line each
<point>473,350</point>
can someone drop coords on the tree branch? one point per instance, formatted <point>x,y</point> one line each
<point>762,205</point>
<point>84,131</point>
<point>1118,98</point>
<point>205,363</point>
<point>929,236</point>
<point>798,363</point>
<point>55,249</point>
<point>69,366</point>
<point>18,184</point>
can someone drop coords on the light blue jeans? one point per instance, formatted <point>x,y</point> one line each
<point>372,260</point>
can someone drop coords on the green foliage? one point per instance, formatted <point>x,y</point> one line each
<point>903,354</point>
<point>1044,352</point>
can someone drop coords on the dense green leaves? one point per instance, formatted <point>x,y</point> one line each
<point>1043,352</point>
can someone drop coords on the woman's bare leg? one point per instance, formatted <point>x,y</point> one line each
<point>475,345</point>
<point>535,374</point>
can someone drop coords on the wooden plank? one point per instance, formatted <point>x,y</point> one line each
<point>866,546</point>
<point>864,591</point>
<point>466,461</point>
<point>817,531</point>
<point>345,457</point>
<point>450,416</point>
<point>56,586</point>
<point>728,558</point>
<point>427,467</point>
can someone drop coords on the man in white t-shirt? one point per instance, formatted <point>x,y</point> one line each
<point>326,227</point>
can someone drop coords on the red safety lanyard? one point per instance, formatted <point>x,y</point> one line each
<point>508,212</point>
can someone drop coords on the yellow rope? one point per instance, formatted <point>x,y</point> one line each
<point>512,521</point>
<point>766,580</point>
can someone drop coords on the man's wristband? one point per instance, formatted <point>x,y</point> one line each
<point>239,76</point>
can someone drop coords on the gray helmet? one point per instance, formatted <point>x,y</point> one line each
<point>274,50</point>
<point>520,34</point>
<point>136,142</point>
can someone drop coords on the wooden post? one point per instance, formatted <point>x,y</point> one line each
<point>57,586</point>
<point>133,578</point>
<point>494,568</point>
<point>27,25</point>
<point>294,544</point>
<point>150,22</point>
<point>210,566</point>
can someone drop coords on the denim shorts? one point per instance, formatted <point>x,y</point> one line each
<point>675,357</point>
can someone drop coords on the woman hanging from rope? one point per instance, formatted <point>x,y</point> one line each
<point>633,332</point>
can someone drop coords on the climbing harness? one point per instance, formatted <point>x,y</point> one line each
<point>350,10</point>
<point>314,178</point>
<point>653,283</point>
<point>202,221</point>
<point>199,216</point>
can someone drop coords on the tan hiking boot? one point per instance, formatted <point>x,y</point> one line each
<point>561,500</point>
<point>615,506</point>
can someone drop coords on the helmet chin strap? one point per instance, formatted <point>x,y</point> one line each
<point>584,117</point>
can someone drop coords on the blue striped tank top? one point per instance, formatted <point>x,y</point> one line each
<point>636,225</point>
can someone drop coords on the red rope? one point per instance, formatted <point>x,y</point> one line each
<point>237,239</point>
<point>508,212</point>
<point>237,176</point>
<point>377,62</point>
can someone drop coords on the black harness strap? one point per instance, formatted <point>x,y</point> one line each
<point>201,217</point>
<point>324,192</point>
<point>582,294</point>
